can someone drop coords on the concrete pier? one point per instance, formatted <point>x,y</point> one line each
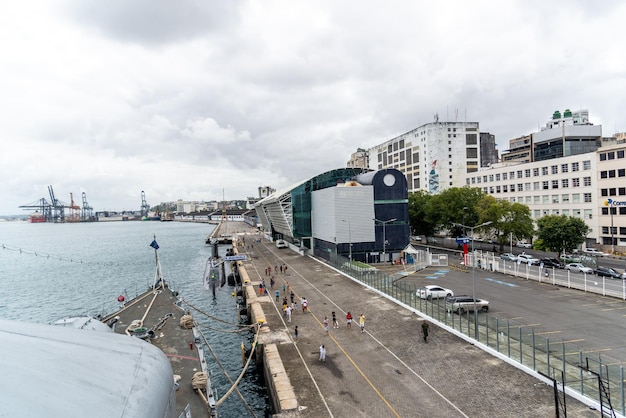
<point>386,371</point>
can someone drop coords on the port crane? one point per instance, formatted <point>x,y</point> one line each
<point>145,207</point>
<point>58,207</point>
<point>42,206</point>
<point>87,211</point>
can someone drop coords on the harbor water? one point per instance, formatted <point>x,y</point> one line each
<point>53,271</point>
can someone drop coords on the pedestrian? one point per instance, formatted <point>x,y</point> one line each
<point>305,305</point>
<point>288,311</point>
<point>322,353</point>
<point>291,296</point>
<point>425,328</point>
<point>326,324</point>
<point>362,323</point>
<point>285,268</point>
<point>277,295</point>
<point>349,320</point>
<point>261,289</point>
<point>335,323</point>
<point>272,282</point>
<point>284,288</point>
<point>296,332</point>
<point>285,308</point>
<point>295,306</point>
<point>281,269</point>
<point>275,269</point>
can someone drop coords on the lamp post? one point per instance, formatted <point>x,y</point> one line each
<point>472,228</point>
<point>384,237</point>
<point>349,238</point>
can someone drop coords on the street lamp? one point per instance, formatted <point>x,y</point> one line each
<point>349,238</point>
<point>471,228</point>
<point>384,238</point>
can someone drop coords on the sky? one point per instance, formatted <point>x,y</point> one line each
<point>209,100</point>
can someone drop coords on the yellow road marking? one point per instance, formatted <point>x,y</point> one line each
<point>547,332</point>
<point>570,341</point>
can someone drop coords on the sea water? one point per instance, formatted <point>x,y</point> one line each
<point>52,271</point>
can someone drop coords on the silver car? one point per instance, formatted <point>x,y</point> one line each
<point>461,304</point>
<point>579,268</point>
<point>508,256</point>
<point>432,291</point>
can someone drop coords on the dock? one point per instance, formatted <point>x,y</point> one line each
<point>386,371</point>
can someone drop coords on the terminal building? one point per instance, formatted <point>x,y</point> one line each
<point>352,212</point>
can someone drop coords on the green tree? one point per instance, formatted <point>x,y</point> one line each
<point>507,219</point>
<point>418,202</point>
<point>561,233</point>
<point>456,205</point>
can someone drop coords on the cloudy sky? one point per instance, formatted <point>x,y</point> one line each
<point>198,99</point>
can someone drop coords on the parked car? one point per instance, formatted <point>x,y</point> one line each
<point>528,259</point>
<point>552,262</point>
<point>281,243</point>
<point>524,245</point>
<point>416,238</point>
<point>570,258</point>
<point>608,272</point>
<point>593,251</point>
<point>579,268</point>
<point>508,256</point>
<point>432,291</point>
<point>461,304</point>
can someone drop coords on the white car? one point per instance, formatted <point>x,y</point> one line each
<point>524,245</point>
<point>579,268</point>
<point>432,291</point>
<point>281,243</point>
<point>528,259</point>
<point>593,251</point>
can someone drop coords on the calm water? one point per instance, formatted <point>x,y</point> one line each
<point>53,271</point>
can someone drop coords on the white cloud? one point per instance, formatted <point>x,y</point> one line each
<point>189,100</point>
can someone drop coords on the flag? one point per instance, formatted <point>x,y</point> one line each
<point>154,244</point>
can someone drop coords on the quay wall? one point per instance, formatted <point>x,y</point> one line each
<point>282,395</point>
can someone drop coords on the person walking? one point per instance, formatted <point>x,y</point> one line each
<point>326,324</point>
<point>291,296</point>
<point>305,305</point>
<point>288,311</point>
<point>272,282</point>
<point>296,332</point>
<point>362,323</point>
<point>349,320</point>
<point>277,295</point>
<point>322,353</point>
<point>335,323</point>
<point>425,328</point>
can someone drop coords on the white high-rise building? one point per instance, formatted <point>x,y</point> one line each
<point>434,156</point>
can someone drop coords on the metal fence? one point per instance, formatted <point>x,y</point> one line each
<point>563,362</point>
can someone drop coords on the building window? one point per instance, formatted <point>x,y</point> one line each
<point>546,199</point>
<point>536,185</point>
<point>527,187</point>
<point>497,177</point>
<point>621,191</point>
<point>536,171</point>
<point>575,167</point>
<point>544,171</point>
<point>610,155</point>
<point>612,191</point>
<point>471,152</point>
<point>565,198</point>
<point>527,172</point>
<point>555,184</point>
<point>505,188</point>
<point>564,168</point>
<point>520,187</point>
<point>555,169</point>
<point>504,176</point>
<point>621,172</point>
<point>544,185</point>
<point>604,192</point>
<point>587,197</point>
<point>620,153</point>
<point>604,174</point>
<point>478,180</point>
<point>565,183</point>
<point>497,189</point>
<point>529,200</point>
<point>490,177</point>
<point>537,199</point>
<point>611,174</point>
<point>586,165</point>
<point>575,198</point>
<point>519,174</point>
<point>566,212</point>
<point>537,213</point>
<point>484,179</point>
<point>555,198</point>
<point>603,156</point>
<point>576,182</point>
<point>587,181</point>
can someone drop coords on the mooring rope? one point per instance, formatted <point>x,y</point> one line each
<point>246,327</point>
<point>236,383</point>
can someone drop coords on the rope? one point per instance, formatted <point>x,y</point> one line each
<point>64,258</point>
<point>216,318</point>
<point>236,383</point>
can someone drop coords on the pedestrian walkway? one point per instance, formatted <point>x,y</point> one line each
<point>389,370</point>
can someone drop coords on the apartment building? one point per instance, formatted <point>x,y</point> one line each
<point>434,156</point>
